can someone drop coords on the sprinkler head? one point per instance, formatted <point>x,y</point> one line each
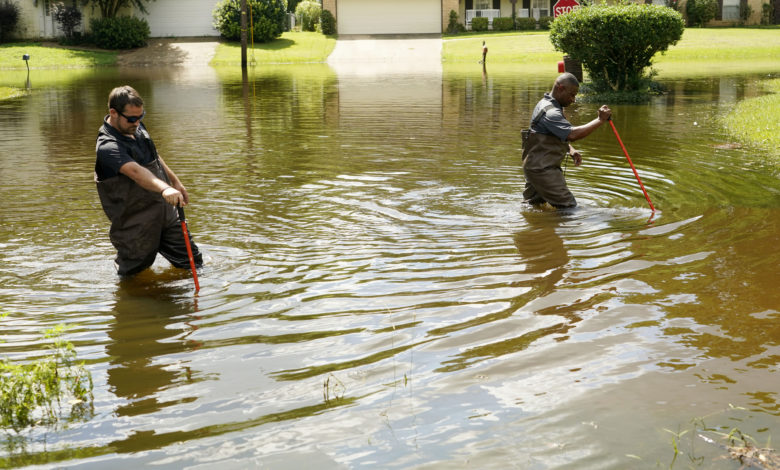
<point>26,57</point>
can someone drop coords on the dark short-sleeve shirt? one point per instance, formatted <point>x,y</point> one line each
<point>114,149</point>
<point>553,122</point>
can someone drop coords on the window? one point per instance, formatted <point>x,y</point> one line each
<point>485,4</point>
<point>731,10</point>
<point>541,8</point>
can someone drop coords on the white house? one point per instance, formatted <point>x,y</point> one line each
<point>432,16</point>
<point>182,18</point>
<point>166,18</point>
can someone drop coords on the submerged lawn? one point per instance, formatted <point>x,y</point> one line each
<point>7,92</point>
<point>291,48</point>
<point>757,120</point>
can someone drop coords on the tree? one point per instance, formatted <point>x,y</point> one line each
<point>9,17</point>
<point>617,43</point>
<point>110,8</point>
<point>308,13</point>
<point>68,17</point>
<point>268,18</point>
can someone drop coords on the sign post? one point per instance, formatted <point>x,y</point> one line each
<point>564,6</point>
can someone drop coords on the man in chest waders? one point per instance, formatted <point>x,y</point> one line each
<point>549,141</point>
<point>138,191</point>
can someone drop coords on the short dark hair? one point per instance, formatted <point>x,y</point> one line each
<point>567,79</point>
<point>121,96</point>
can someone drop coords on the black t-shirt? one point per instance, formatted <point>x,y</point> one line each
<point>115,149</point>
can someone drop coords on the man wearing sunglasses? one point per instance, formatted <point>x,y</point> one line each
<point>138,191</point>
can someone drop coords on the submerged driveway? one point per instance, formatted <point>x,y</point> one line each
<point>399,53</point>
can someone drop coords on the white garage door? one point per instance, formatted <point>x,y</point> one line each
<point>388,16</point>
<point>181,18</point>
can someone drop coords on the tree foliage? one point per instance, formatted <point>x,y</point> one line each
<point>111,8</point>
<point>700,12</point>
<point>268,19</point>
<point>68,17</point>
<point>307,13</point>
<point>122,32</point>
<point>327,23</point>
<point>616,43</point>
<point>9,17</point>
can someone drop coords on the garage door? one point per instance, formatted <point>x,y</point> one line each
<point>178,18</point>
<point>388,16</point>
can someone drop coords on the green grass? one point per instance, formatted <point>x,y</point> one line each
<point>721,44</point>
<point>291,48</point>
<point>503,47</point>
<point>756,120</point>
<point>718,46</point>
<point>51,57</point>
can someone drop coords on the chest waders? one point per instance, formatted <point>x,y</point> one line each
<point>544,180</point>
<point>142,223</point>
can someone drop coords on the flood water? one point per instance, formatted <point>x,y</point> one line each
<point>375,294</point>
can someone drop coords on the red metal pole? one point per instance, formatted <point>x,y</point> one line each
<point>632,165</point>
<point>186,234</point>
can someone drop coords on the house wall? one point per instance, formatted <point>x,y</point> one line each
<point>331,6</point>
<point>36,23</point>
<point>754,19</point>
<point>446,6</point>
<point>506,10</point>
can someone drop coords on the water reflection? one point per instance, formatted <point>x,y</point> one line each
<point>368,231</point>
<point>144,340</point>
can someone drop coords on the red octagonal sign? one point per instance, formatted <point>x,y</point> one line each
<point>564,6</point>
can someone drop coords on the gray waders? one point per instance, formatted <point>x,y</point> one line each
<point>143,224</point>
<point>544,181</point>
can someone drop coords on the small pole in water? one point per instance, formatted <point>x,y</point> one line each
<point>631,163</point>
<point>189,248</point>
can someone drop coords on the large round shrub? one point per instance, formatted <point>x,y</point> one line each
<point>327,23</point>
<point>700,12</point>
<point>268,19</point>
<point>307,14</point>
<point>616,43</point>
<point>121,32</point>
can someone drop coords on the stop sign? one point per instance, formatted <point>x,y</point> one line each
<point>564,6</point>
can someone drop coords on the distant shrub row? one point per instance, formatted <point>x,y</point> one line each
<point>505,23</point>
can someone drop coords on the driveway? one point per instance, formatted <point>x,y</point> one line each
<point>171,52</point>
<point>393,53</point>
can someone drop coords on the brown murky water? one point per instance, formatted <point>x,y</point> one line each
<point>376,295</point>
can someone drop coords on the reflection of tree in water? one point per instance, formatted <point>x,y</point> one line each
<point>141,335</point>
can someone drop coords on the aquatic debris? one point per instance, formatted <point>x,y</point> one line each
<point>333,389</point>
<point>748,455</point>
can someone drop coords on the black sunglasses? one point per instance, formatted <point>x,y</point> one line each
<point>132,119</point>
